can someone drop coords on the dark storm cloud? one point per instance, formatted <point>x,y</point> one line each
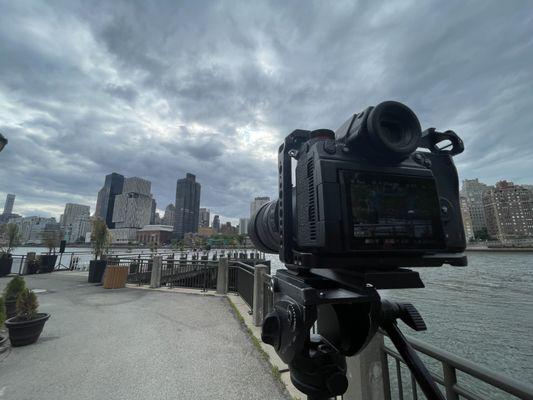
<point>158,89</point>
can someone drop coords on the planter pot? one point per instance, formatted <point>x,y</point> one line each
<point>5,264</point>
<point>11,307</point>
<point>96,270</point>
<point>22,333</point>
<point>48,262</point>
<point>115,276</point>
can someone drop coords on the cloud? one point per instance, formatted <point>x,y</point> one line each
<point>157,89</point>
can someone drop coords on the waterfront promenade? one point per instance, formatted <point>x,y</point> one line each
<point>133,344</point>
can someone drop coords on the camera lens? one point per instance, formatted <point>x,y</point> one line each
<point>263,228</point>
<point>394,130</point>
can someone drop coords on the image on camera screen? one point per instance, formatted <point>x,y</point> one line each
<point>394,212</point>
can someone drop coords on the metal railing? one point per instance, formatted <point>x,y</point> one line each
<point>448,378</point>
<point>241,281</point>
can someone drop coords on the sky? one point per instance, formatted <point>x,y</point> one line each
<point>156,89</point>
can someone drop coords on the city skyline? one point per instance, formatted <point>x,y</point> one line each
<point>220,104</point>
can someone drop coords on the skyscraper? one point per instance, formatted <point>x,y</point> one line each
<point>8,205</point>
<point>204,218</point>
<point>133,207</point>
<point>168,218</point>
<point>105,202</point>
<point>70,218</point>
<point>216,223</point>
<point>153,212</point>
<point>243,226</point>
<point>257,203</point>
<point>187,210</point>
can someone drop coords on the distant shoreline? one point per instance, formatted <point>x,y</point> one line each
<point>473,249</point>
<point>501,249</point>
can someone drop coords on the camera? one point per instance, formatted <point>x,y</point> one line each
<point>377,193</point>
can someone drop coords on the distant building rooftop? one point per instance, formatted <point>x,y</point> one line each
<point>166,228</point>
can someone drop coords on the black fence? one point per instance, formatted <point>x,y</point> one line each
<point>198,274</point>
<point>241,281</point>
<point>194,273</point>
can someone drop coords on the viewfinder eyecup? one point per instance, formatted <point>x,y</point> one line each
<point>393,130</point>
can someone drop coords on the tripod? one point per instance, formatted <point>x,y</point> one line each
<point>348,313</point>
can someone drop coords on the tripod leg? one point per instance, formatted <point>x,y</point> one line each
<point>415,364</point>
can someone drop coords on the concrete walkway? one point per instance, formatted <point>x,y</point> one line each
<point>133,344</point>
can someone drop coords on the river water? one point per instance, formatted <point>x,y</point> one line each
<point>483,312</point>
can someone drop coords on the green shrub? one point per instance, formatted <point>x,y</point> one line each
<point>14,288</point>
<point>27,305</point>
<point>2,311</point>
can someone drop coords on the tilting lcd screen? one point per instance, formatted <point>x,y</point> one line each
<point>394,212</point>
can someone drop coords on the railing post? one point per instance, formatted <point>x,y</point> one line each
<point>155,280</point>
<point>222,276</point>
<point>366,377</point>
<point>450,379</point>
<point>258,298</point>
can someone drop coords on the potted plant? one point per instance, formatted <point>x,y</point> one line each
<point>51,239</point>
<point>26,327</point>
<point>100,241</point>
<point>11,292</point>
<point>12,236</point>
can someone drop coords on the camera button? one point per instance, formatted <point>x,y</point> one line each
<point>330,147</point>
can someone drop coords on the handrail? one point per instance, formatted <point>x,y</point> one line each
<point>247,267</point>
<point>507,384</point>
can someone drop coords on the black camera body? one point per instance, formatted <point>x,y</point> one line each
<point>364,197</point>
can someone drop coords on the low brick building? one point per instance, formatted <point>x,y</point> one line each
<point>155,234</point>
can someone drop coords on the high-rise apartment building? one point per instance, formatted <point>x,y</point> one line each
<point>509,211</point>
<point>168,218</point>
<point>216,224</point>
<point>31,229</point>
<point>8,205</point>
<point>187,210</point>
<point>243,226</point>
<point>105,203</point>
<point>473,191</point>
<point>7,213</point>
<point>203,221</point>
<point>70,216</point>
<point>467,220</point>
<point>257,203</point>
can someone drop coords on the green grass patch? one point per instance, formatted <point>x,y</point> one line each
<point>256,342</point>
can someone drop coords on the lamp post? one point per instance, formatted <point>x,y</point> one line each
<point>3,142</point>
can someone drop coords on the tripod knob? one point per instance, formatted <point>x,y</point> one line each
<point>271,332</point>
<point>337,383</point>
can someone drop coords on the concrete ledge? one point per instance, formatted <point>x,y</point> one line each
<point>276,362</point>
<point>197,292</point>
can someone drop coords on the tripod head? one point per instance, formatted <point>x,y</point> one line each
<point>347,316</point>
